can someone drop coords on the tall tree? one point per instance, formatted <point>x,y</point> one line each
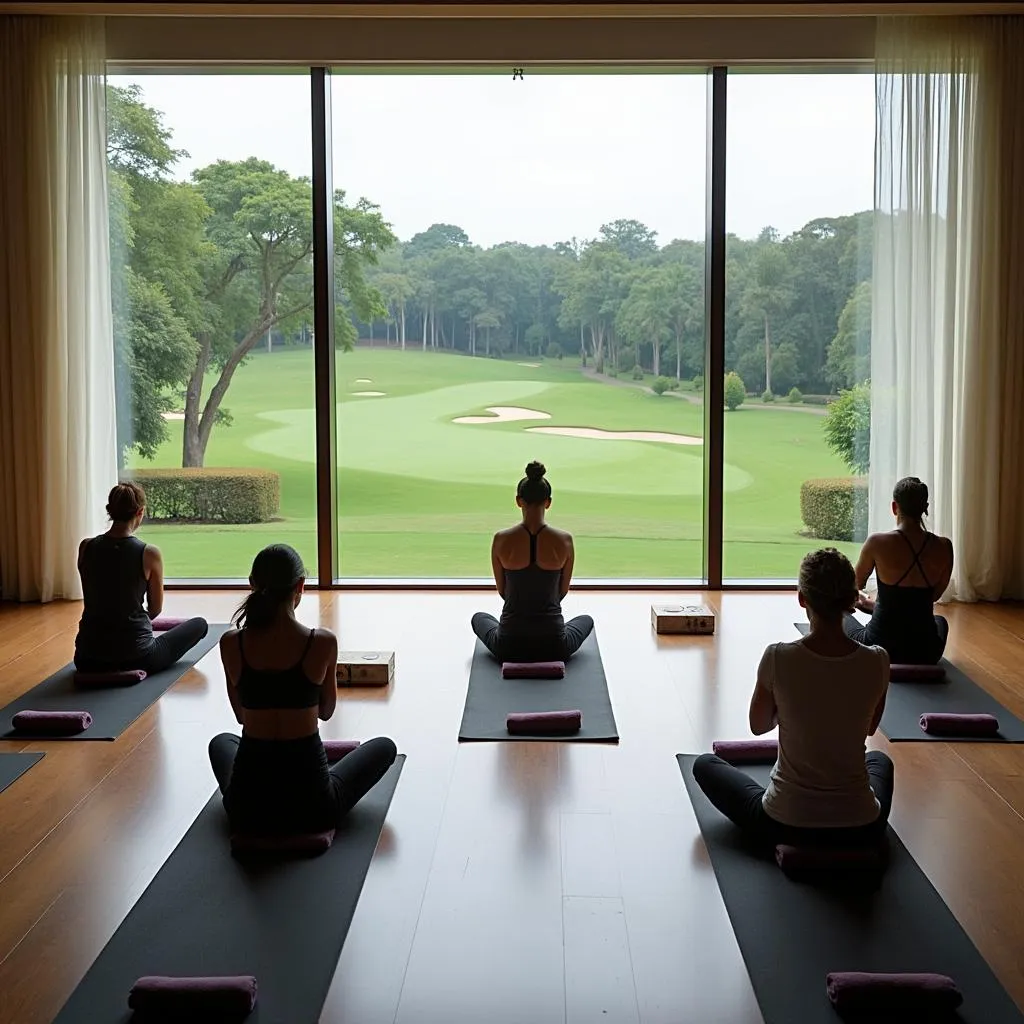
<point>849,354</point>
<point>631,238</point>
<point>766,293</point>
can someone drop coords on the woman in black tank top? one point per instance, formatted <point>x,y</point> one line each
<point>281,682</point>
<point>531,627</point>
<point>123,587</point>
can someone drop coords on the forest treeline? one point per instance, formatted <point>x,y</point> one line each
<point>205,270</point>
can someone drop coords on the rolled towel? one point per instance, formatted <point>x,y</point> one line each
<point>533,670</point>
<point>919,994</point>
<point>52,723</point>
<point>163,623</point>
<point>799,862</point>
<point>746,751</point>
<point>939,724</point>
<point>337,749</point>
<point>128,677</point>
<point>917,673</point>
<point>310,843</point>
<point>544,723</point>
<point>164,998</point>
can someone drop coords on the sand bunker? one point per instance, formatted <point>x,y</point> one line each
<point>504,414</point>
<point>363,380</point>
<point>617,435</point>
<point>532,366</point>
<point>173,415</point>
<point>369,394</point>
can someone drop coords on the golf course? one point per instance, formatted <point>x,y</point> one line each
<point>432,444</point>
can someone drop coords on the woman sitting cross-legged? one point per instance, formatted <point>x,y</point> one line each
<point>826,693</point>
<point>532,564</point>
<point>123,587</point>
<point>281,679</point>
<point>913,568</point>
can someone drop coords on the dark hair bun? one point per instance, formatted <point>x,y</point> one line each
<point>535,471</point>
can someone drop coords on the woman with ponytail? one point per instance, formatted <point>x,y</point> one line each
<point>281,680</point>
<point>532,564</point>
<point>912,568</point>
<point>826,693</point>
<point>123,587</point>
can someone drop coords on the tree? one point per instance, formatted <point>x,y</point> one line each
<point>767,292</point>
<point>630,238</point>
<point>660,385</point>
<point>735,391</point>
<point>847,426</point>
<point>643,319</point>
<point>849,354</point>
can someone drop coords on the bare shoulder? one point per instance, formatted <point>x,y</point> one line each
<point>153,553</point>
<point>563,536</point>
<point>229,641</point>
<point>324,640</point>
<point>506,533</point>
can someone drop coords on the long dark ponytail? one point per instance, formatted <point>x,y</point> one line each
<point>276,571</point>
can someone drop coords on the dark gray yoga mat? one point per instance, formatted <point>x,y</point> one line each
<point>205,913</point>
<point>791,935</point>
<point>13,766</point>
<point>113,708</point>
<point>958,694</point>
<point>490,698</point>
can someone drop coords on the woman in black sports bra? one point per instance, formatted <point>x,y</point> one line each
<point>281,682</point>
<point>912,567</point>
<point>532,564</point>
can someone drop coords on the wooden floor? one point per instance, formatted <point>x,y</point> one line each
<point>514,882</point>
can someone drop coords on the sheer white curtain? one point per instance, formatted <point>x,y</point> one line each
<point>947,342</point>
<point>57,435</point>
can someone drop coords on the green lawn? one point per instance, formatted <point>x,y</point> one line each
<point>420,496</point>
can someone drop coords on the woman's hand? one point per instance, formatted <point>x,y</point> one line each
<point>865,603</point>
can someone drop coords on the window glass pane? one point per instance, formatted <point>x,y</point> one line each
<point>211,247</point>
<point>798,317</point>
<point>538,295</point>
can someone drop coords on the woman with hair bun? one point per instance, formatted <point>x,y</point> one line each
<point>532,564</point>
<point>123,587</point>
<point>826,693</point>
<point>912,568</point>
<point>281,680</point>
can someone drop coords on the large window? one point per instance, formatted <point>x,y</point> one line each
<point>798,317</point>
<point>538,295</point>
<point>211,248</point>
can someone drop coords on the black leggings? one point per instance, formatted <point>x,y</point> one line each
<point>929,653</point>
<point>739,798</point>
<point>351,778</point>
<point>166,649</point>
<point>528,648</point>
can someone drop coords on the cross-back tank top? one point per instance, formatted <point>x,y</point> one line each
<point>264,690</point>
<point>533,599</point>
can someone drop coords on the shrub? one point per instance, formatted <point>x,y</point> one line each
<point>627,360</point>
<point>612,373</point>
<point>660,385</point>
<point>554,350</point>
<point>673,384</point>
<point>767,396</point>
<point>819,399</point>
<point>735,392</point>
<point>638,373</point>
<point>698,382</point>
<point>210,495</point>
<point>848,427</point>
<point>835,509</point>
<point>795,396</point>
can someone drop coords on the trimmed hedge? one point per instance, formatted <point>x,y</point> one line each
<point>835,509</point>
<point>210,495</point>
<point>819,399</point>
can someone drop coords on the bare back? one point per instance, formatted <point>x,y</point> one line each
<point>907,558</point>
<point>512,547</point>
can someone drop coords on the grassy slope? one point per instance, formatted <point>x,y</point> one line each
<point>420,496</point>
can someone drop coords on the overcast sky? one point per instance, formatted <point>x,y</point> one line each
<point>552,156</point>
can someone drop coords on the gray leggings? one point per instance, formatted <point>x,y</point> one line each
<point>560,647</point>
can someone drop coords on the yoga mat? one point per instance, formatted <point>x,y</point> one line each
<point>791,935</point>
<point>206,913</point>
<point>490,698</point>
<point>113,709</point>
<point>13,766</point>
<point>958,694</point>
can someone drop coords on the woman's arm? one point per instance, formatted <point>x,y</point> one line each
<point>231,660</point>
<point>153,566</point>
<point>763,714</point>
<point>865,563</point>
<point>943,581</point>
<point>497,568</point>
<point>329,683</point>
<point>570,560</point>
<point>877,716</point>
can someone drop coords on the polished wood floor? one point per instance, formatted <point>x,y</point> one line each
<point>515,882</point>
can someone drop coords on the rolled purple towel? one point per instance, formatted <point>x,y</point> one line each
<point>163,623</point>
<point>311,842</point>
<point>938,724</point>
<point>544,723</point>
<point>860,992</point>
<point>533,670</point>
<point>917,673</point>
<point>162,998</point>
<point>746,751</point>
<point>337,749</point>
<point>129,677</point>
<point>803,861</point>
<point>52,723</point>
